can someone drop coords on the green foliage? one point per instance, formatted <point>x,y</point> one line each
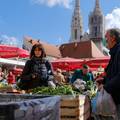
<point>3,85</point>
<point>89,85</point>
<point>59,90</point>
<point>91,89</point>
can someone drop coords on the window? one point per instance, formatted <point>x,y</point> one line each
<point>75,34</point>
<point>75,18</point>
<point>95,31</point>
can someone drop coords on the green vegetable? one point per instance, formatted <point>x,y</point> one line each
<point>59,90</point>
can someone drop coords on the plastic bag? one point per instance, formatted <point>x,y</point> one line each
<point>51,84</point>
<point>105,105</point>
<point>79,84</point>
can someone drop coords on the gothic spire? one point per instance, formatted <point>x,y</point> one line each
<point>77,7</point>
<point>97,7</point>
<point>76,25</point>
<point>77,4</point>
<point>97,4</point>
<point>96,25</point>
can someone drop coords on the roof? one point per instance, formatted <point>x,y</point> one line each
<point>51,50</point>
<point>84,49</point>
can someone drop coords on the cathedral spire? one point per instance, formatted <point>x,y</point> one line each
<point>77,4</point>
<point>76,25</point>
<point>97,7</point>
<point>96,25</point>
<point>97,4</point>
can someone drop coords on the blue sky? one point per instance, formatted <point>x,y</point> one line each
<point>48,20</point>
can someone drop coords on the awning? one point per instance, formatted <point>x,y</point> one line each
<point>11,51</point>
<point>11,62</point>
<point>67,63</point>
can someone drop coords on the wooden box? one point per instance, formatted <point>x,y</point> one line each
<point>75,107</point>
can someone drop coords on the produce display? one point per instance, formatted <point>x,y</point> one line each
<point>66,90</point>
<point>8,88</point>
<point>90,90</point>
<point>59,90</point>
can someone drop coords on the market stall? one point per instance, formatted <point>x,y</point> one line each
<point>72,63</point>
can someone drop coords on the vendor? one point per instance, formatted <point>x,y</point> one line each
<point>37,70</point>
<point>83,74</point>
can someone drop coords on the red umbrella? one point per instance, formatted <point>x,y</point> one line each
<point>72,63</point>
<point>67,63</point>
<point>99,60</point>
<point>11,51</point>
<point>96,62</point>
<point>22,53</point>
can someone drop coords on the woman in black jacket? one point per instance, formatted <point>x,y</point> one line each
<point>37,70</point>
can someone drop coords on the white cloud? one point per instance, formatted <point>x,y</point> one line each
<point>4,39</point>
<point>112,20</point>
<point>51,3</point>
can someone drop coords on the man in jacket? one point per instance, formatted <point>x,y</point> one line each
<point>83,74</point>
<point>112,81</point>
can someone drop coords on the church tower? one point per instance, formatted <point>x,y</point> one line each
<point>76,25</point>
<point>96,25</point>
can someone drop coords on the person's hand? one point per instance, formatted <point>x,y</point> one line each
<point>99,86</point>
<point>34,75</point>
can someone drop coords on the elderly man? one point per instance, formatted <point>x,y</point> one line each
<point>112,81</point>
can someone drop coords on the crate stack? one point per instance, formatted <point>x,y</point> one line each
<point>75,107</point>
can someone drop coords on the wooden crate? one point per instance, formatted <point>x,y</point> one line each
<point>75,108</point>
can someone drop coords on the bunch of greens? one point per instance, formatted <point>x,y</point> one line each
<point>3,85</point>
<point>91,89</point>
<point>59,90</point>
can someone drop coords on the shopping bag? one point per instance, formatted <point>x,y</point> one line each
<point>105,105</point>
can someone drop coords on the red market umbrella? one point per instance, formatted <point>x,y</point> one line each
<point>67,63</point>
<point>22,53</point>
<point>11,51</point>
<point>72,63</point>
<point>97,62</point>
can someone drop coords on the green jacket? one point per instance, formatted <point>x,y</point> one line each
<point>78,74</point>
